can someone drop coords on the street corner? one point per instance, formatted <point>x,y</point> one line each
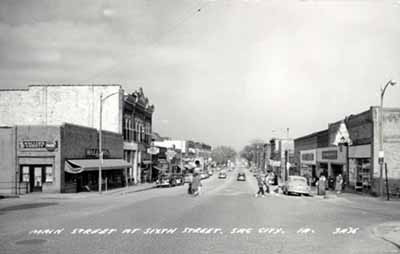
<point>389,231</point>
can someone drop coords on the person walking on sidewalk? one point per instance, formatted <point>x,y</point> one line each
<point>339,183</point>
<point>260,183</point>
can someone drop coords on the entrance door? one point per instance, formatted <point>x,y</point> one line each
<point>337,169</point>
<point>38,178</point>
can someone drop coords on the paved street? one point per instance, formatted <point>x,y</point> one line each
<point>227,218</point>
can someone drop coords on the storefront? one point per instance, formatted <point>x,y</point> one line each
<point>308,160</point>
<point>83,175</point>
<point>65,159</point>
<point>360,167</point>
<point>331,161</point>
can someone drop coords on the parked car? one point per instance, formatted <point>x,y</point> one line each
<point>203,175</point>
<point>177,179</point>
<point>164,181</point>
<point>169,180</point>
<point>222,175</point>
<point>241,176</point>
<point>210,173</point>
<point>296,185</point>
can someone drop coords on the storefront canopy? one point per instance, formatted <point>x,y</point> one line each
<point>160,168</point>
<point>78,166</point>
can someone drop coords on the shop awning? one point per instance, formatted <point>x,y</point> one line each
<point>160,169</point>
<point>78,166</point>
<point>274,163</point>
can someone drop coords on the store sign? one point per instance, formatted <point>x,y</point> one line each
<point>330,155</point>
<point>38,144</point>
<point>93,153</point>
<point>308,156</point>
<point>153,150</point>
<point>170,154</point>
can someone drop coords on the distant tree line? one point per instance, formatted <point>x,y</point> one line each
<point>222,154</point>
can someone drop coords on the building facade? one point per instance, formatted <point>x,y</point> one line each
<point>137,133</point>
<point>353,150</point>
<point>282,157</point>
<point>46,158</point>
<point>127,114</point>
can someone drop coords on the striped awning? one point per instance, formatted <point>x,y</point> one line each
<point>78,166</point>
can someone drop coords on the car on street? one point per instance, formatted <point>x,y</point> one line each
<point>177,179</point>
<point>222,175</point>
<point>169,180</point>
<point>164,181</point>
<point>296,185</point>
<point>241,176</point>
<point>204,175</point>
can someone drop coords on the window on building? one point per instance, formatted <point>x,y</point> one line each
<point>49,174</point>
<point>135,131</point>
<point>25,174</point>
<point>125,128</point>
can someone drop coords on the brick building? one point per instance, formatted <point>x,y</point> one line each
<point>123,113</point>
<point>305,153</point>
<point>63,158</point>
<point>352,149</point>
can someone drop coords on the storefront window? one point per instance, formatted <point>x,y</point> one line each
<point>49,174</point>
<point>363,171</point>
<point>25,174</point>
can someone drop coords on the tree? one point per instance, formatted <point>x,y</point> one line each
<point>249,151</point>
<point>222,154</point>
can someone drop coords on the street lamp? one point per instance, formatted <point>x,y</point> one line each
<point>381,152</point>
<point>100,136</point>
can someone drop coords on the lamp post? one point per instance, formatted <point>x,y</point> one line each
<point>381,151</point>
<point>100,136</point>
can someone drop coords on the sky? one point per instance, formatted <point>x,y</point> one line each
<point>223,72</point>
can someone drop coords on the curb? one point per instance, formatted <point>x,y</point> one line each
<point>389,232</point>
<point>122,192</point>
<point>8,196</point>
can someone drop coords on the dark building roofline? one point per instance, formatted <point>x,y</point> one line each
<point>312,134</point>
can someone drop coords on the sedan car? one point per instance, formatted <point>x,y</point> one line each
<point>241,177</point>
<point>296,185</point>
<point>164,181</point>
<point>222,175</point>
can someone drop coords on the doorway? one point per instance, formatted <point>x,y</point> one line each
<point>337,169</point>
<point>34,175</point>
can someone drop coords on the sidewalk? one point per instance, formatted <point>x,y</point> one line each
<point>82,195</point>
<point>389,231</point>
<point>328,194</point>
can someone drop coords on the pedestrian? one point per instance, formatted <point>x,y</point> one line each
<point>339,183</point>
<point>269,177</point>
<point>321,185</point>
<point>196,184</point>
<point>260,183</point>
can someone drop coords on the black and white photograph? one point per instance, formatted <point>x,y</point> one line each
<point>199,126</point>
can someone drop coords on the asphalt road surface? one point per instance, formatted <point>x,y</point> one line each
<point>226,218</point>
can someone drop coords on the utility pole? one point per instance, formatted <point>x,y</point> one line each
<point>381,151</point>
<point>100,142</point>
